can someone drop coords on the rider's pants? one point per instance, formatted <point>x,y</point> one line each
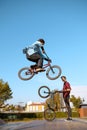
<point>67,103</point>
<point>36,58</point>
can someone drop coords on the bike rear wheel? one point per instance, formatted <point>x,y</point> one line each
<point>49,114</point>
<point>44,91</point>
<point>53,72</point>
<point>25,74</point>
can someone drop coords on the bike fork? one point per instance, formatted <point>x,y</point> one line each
<point>52,70</point>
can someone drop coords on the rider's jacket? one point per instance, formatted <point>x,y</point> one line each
<point>65,87</point>
<point>35,48</point>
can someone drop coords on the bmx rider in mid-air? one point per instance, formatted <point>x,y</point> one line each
<point>35,53</point>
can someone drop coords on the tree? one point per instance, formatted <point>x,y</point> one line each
<point>76,101</point>
<point>5,92</point>
<point>56,102</point>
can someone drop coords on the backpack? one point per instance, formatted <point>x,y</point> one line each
<point>25,50</point>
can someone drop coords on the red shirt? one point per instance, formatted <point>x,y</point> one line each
<point>65,87</point>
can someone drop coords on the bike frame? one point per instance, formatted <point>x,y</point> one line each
<point>46,65</point>
<point>49,64</point>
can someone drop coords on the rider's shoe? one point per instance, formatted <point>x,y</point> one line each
<point>69,118</point>
<point>39,69</point>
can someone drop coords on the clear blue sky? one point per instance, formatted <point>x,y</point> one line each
<point>61,23</point>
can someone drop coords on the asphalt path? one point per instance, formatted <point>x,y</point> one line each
<point>57,124</point>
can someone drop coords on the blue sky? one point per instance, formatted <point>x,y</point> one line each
<point>63,26</point>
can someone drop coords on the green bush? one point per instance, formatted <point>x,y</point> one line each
<point>39,115</point>
<point>64,114</point>
<point>61,114</point>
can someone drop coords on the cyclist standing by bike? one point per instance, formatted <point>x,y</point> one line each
<point>35,54</point>
<point>66,96</point>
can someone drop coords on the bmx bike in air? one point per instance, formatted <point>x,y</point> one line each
<point>52,72</point>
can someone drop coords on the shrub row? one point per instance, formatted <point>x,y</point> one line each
<point>39,115</point>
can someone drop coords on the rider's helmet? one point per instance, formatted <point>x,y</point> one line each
<point>42,41</point>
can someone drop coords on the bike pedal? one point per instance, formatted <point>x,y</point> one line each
<point>26,73</point>
<point>36,72</point>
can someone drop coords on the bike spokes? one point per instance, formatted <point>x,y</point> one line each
<point>49,114</point>
<point>44,91</point>
<point>53,72</point>
<point>25,74</point>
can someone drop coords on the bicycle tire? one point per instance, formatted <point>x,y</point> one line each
<point>57,72</point>
<point>49,114</point>
<point>43,89</point>
<point>28,76</point>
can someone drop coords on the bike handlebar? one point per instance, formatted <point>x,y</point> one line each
<point>58,91</point>
<point>53,92</point>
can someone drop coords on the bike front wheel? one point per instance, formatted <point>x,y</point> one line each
<point>25,74</point>
<point>44,91</point>
<point>53,72</point>
<point>49,114</point>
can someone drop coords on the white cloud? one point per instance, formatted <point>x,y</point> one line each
<point>80,91</point>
